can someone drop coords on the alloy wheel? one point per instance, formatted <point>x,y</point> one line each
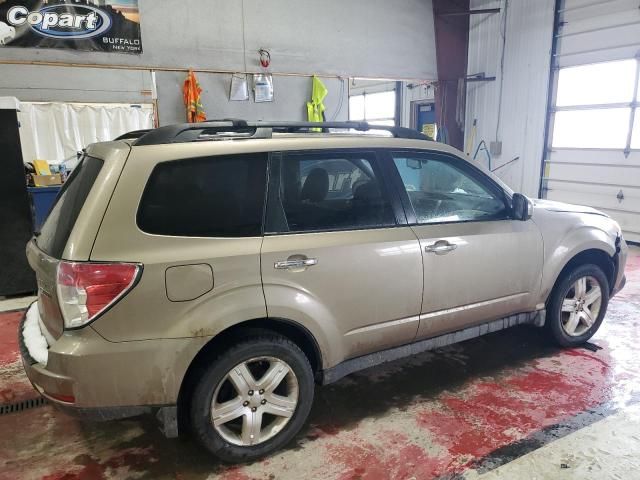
<point>581,306</point>
<point>254,401</point>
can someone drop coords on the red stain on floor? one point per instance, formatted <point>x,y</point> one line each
<point>14,384</point>
<point>394,458</point>
<point>489,415</point>
<point>133,459</point>
<point>9,324</point>
<point>234,473</point>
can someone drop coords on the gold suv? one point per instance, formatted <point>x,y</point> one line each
<point>213,273</point>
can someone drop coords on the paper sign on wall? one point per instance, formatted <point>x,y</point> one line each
<point>263,87</point>
<point>239,89</point>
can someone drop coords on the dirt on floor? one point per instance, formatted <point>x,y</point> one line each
<point>476,405</point>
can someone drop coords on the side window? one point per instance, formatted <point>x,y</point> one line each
<point>220,196</point>
<point>329,191</point>
<point>441,192</point>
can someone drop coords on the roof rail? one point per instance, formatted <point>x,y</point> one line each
<point>132,134</point>
<point>235,128</point>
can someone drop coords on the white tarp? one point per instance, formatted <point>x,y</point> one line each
<point>56,131</point>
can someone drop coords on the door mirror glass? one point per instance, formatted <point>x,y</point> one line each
<point>522,208</point>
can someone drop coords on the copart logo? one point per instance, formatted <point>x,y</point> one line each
<point>62,21</point>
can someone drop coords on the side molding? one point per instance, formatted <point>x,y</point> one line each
<point>347,367</point>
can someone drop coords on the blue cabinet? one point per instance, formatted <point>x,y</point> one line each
<point>42,199</point>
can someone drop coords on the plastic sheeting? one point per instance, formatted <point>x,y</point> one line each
<point>56,131</point>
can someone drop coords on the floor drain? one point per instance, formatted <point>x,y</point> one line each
<point>23,405</point>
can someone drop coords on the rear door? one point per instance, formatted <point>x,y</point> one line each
<point>479,264</point>
<point>45,251</point>
<point>337,255</point>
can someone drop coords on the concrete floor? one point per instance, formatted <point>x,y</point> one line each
<point>508,405</point>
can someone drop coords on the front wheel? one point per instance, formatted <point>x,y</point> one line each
<point>578,305</point>
<point>252,399</point>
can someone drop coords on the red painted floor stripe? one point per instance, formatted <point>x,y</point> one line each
<point>9,350</point>
<point>14,385</point>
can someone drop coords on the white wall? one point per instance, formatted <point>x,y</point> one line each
<point>290,97</point>
<point>368,38</point>
<point>515,116</point>
<point>35,83</point>
<point>358,38</point>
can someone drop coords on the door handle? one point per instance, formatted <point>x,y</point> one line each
<point>295,264</point>
<point>441,247</point>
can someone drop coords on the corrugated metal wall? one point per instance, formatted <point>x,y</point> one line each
<point>594,31</point>
<point>511,109</point>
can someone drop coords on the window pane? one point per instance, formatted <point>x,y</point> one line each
<point>57,228</point>
<point>635,137</point>
<point>601,128</point>
<point>356,107</point>
<point>609,82</point>
<point>206,197</point>
<point>380,105</point>
<point>440,192</point>
<point>332,192</point>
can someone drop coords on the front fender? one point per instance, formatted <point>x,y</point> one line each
<point>574,242</point>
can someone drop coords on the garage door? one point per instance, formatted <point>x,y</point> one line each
<point>593,155</point>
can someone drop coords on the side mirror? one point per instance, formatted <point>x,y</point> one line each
<point>521,207</point>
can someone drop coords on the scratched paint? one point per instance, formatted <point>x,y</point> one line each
<point>437,414</point>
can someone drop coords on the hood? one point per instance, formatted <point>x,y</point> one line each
<point>553,206</point>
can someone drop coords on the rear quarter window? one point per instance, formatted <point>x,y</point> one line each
<point>220,196</point>
<point>57,228</point>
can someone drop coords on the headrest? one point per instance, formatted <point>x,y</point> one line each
<point>316,186</point>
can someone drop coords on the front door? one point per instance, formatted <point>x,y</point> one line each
<point>336,257</point>
<point>479,264</point>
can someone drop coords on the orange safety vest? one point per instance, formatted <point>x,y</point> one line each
<point>191,94</point>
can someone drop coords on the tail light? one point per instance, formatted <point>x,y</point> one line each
<point>87,289</point>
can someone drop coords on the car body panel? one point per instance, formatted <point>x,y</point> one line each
<point>495,272</point>
<point>96,372</point>
<point>81,237</point>
<point>366,287</point>
<point>235,262</point>
<point>365,294</point>
<point>567,231</point>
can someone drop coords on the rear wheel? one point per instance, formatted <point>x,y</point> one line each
<point>578,305</point>
<point>253,399</point>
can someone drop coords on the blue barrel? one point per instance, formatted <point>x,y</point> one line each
<point>42,199</point>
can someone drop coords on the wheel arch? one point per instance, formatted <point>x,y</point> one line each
<point>292,330</point>
<point>595,256</point>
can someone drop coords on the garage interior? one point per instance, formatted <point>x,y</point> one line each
<point>545,94</point>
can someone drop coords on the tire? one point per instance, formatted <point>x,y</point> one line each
<point>574,294</point>
<point>227,379</point>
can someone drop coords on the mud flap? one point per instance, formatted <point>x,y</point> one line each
<point>168,419</point>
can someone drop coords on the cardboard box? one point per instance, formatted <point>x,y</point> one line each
<point>46,180</point>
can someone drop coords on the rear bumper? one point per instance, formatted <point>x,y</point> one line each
<point>92,378</point>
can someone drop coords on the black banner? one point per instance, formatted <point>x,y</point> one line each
<point>95,25</point>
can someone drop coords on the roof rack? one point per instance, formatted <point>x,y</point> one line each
<point>132,134</point>
<point>236,129</point>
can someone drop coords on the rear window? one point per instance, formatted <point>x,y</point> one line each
<point>221,196</point>
<point>57,228</point>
